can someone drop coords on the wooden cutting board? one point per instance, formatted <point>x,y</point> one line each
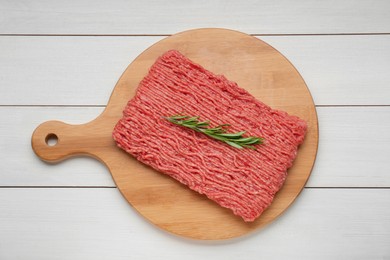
<point>250,62</point>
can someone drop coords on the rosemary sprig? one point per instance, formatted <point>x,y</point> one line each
<point>219,132</point>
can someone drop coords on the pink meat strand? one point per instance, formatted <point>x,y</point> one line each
<point>242,180</point>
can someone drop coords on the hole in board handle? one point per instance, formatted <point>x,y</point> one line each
<point>51,139</point>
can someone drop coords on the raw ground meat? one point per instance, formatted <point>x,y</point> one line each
<point>242,180</point>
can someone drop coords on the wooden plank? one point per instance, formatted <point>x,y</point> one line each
<point>353,149</point>
<point>99,224</point>
<point>156,17</point>
<point>339,70</point>
<point>20,166</point>
<point>64,70</point>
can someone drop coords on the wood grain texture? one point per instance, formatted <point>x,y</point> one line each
<point>91,223</point>
<point>354,150</point>
<point>255,66</point>
<point>58,67</point>
<point>351,70</point>
<point>38,224</point>
<point>153,17</point>
<point>344,156</point>
<point>339,70</point>
<point>21,167</point>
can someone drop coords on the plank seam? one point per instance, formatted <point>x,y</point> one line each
<point>76,105</point>
<point>166,35</point>
<point>349,188</point>
<point>114,187</point>
<point>58,187</point>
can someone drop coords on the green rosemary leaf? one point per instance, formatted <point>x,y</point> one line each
<point>234,144</point>
<point>250,140</point>
<point>234,135</point>
<point>250,147</point>
<point>214,131</point>
<point>203,124</point>
<point>245,139</point>
<point>219,132</point>
<point>191,120</point>
<point>217,137</point>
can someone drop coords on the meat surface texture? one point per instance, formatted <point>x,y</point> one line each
<point>243,180</point>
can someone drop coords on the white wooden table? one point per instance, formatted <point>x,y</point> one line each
<point>61,60</point>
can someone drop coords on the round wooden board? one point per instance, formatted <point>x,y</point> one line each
<point>250,62</point>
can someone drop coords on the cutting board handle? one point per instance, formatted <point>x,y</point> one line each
<point>54,141</point>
